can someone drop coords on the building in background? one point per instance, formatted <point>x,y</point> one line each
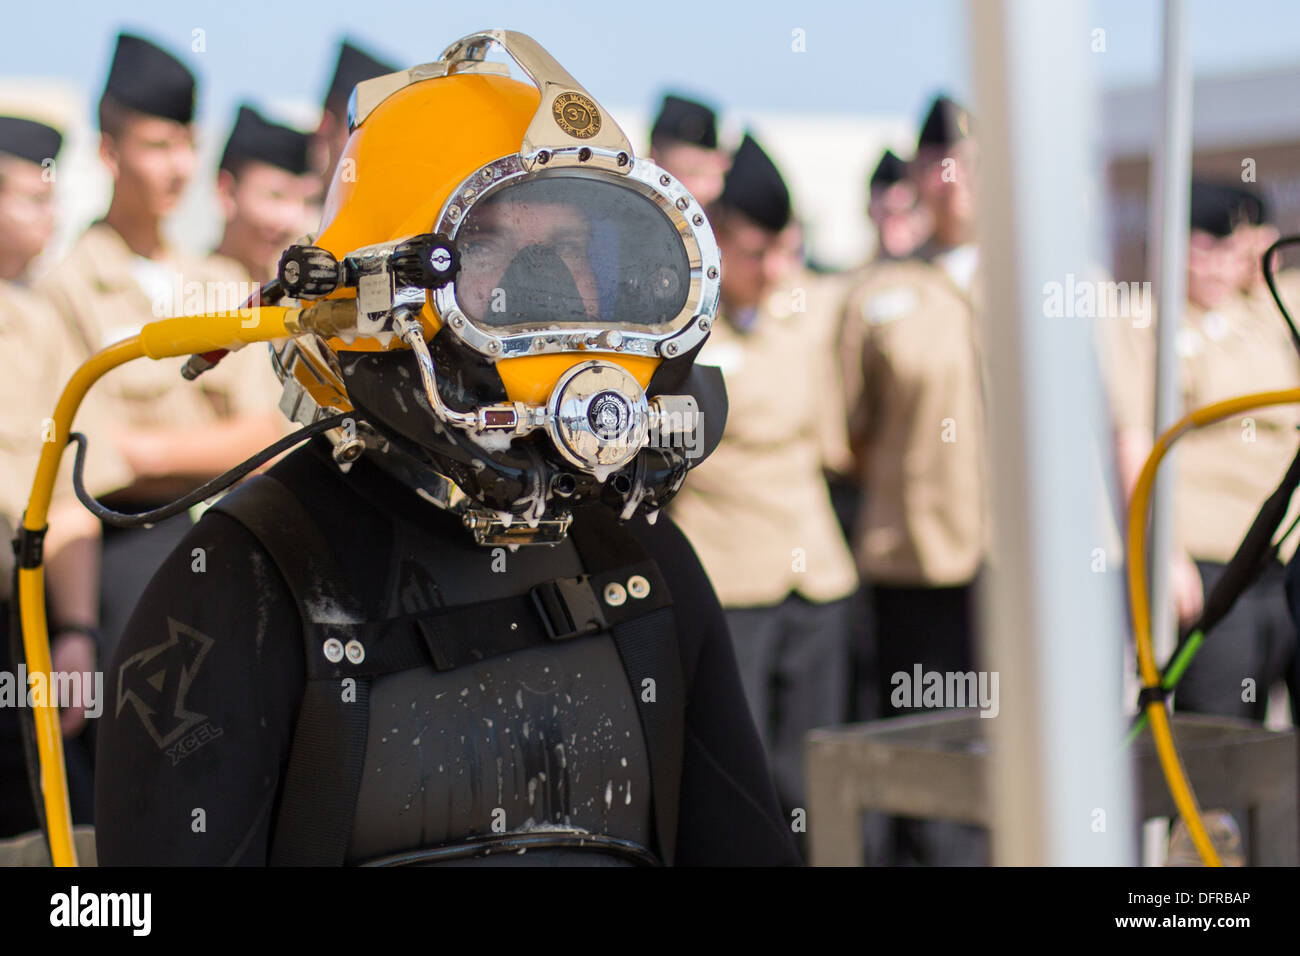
<point>1234,119</point>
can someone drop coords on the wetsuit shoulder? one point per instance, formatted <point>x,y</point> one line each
<point>202,695</point>
<point>728,810</point>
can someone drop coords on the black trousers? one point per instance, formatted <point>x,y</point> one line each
<point>1249,651</point>
<point>17,806</point>
<point>935,628</point>
<point>794,667</point>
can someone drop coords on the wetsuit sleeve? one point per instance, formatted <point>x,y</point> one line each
<point>200,702</point>
<point>728,811</point>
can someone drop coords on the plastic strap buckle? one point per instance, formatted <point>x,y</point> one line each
<point>568,608</point>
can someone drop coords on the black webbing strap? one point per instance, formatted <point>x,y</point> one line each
<point>647,645</point>
<point>462,634</point>
<point>323,779</point>
<point>321,784</point>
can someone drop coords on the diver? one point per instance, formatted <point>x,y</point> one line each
<point>450,628</point>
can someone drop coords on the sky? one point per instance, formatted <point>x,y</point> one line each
<point>859,57</point>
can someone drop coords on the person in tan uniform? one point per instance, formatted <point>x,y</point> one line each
<point>758,512</point>
<point>902,223</point>
<point>913,380</point>
<point>913,375</point>
<point>1254,234</point>
<point>1228,345</point>
<point>265,186</point>
<point>121,274</point>
<point>684,141</point>
<point>352,66</point>
<point>35,362</point>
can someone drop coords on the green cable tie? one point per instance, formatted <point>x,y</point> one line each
<point>1173,674</point>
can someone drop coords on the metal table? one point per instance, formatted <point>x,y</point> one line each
<point>934,766</point>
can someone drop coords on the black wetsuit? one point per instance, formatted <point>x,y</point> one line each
<point>205,689</point>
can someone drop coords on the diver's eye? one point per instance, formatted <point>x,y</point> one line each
<point>482,247</point>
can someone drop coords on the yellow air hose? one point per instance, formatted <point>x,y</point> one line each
<point>1172,767</point>
<point>162,339</point>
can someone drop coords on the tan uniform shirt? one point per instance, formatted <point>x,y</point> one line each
<point>1224,471</point>
<point>99,292</point>
<point>757,510</point>
<point>36,361</point>
<point>913,378</point>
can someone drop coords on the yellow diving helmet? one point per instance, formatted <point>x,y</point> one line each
<point>508,297</point>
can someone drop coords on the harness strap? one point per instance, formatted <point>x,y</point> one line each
<point>647,645</point>
<point>323,778</point>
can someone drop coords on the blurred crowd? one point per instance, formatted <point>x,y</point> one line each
<point>844,518</point>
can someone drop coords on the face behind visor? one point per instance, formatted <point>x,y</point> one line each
<point>560,251</point>
<point>524,341</point>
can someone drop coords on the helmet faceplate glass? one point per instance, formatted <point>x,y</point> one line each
<point>559,250</point>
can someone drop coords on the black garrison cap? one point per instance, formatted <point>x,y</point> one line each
<point>28,139</point>
<point>946,124</point>
<point>686,121</point>
<point>1251,207</point>
<point>149,80</point>
<point>256,138</point>
<point>888,171</point>
<point>754,187</point>
<point>354,66</point>
<point>1219,208</point>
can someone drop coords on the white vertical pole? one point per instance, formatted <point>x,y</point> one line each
<point>1169,186</point>
<point>1060,783</point>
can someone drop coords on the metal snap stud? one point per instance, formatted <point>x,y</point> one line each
<point>333,649</point>
<point>637,586</point>
<point>355,651</point>
<point>615,595</point>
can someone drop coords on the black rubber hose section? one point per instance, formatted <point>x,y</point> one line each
<point>119,519</point>
<point>1267,265</point>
